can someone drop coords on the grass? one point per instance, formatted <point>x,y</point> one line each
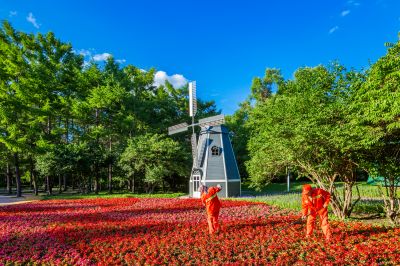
<point>286,201</point>
<point>366,190</point>
<point>369,206</point>
<point>273,188</point>
<point>276,194</point>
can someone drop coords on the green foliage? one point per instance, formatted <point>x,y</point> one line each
<point>305,126</point>
<point>74,118</point>
<point>261,89</point>
<point>240,136</point>
<point>47,163</point>
<point>377,107</point>
<point>369,206</point>
<point>154,155</point>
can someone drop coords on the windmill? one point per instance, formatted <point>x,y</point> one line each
<point>214,161</point>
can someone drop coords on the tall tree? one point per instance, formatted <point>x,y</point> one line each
<point>152,157</point>
<point>14,94</point>
<point>108,102</point>
<point>377,108</point>
<point>237,124</point>
<point>304,126</point>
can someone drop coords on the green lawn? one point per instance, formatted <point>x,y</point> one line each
<point>276,194</point>
<point>366,190</point>
<point>273,188</point>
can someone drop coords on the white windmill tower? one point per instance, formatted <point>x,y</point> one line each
<point>214,161</point>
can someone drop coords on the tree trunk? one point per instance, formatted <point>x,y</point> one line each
<point>48,185</point>
<point>9,179</point>
<point>341,206</point>
<point>65,182</point>
<point>132,184</point>
<point>110,178</point>
<point>390,200</point>
<point>110,168</point>
<point>96,180</point>
<point>59,184</point>
<point>89,185</point>
<point>48,181</point>
<point>17,175</point>
<point>33,176</point>
<point>30,180</point>
<point>80,186</point>
<point>96,164</point>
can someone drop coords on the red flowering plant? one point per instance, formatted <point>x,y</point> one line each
<point>174,232</point>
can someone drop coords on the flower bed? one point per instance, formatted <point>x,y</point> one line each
<point>174,232</point>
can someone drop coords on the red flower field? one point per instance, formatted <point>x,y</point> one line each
<point>174,232</point>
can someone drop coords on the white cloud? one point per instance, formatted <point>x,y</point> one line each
<point>97,57</point>
<point>353,3</point>
<point>177,80</point>
<point>12,13</point>
<point>345,13</point>
<point>84,52</point>
<point>333,29</point>
<point>30,18</point>
<point>101,57</point>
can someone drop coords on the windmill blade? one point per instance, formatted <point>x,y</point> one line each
<point>178,128</point>
<point>212,121</point>
<point>194,149</point>
<point>192,99</point>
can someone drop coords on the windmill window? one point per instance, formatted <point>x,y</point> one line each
<point>196,182</point>
<point>215,151</point>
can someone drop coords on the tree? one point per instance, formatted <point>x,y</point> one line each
<point>305,126</point>
<point>377,107</point>
<point>54,105</point>
<point>240,135</point>
<point>151,157</point>
<point>48,166</point>
<point>4,157</point>
<point>262,89</point>
<point>14,94</point>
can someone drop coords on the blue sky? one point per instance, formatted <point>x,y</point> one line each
<point>220,44</point>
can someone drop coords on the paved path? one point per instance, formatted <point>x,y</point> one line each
<point>8,200</point>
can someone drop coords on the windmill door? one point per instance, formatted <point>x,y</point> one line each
<point>196,185</point>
